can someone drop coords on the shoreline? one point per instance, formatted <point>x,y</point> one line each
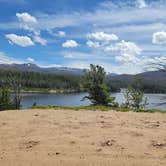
<point>96,108</point>
<point>50,91</point>
<point>55,91</point>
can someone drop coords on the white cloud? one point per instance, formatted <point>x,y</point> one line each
<point>61,34</point>
<point>83,60</point>
<point>128,52</point>
<point>123,52</point>
<point>70,43</point>
<point>23,41</point>
<point>4,59</point>
<point>101,36</point>
<point>103,17</point>
<point>26,17</point>
<point>31,60</point>
<point>156,61</point>
<point>121,15</point>
<point>128,48</point>
<point>30,28</point>
<point>28,22</point>
<point>159,37</point>
<point>93,44</point>
<point>141,4</point>
<point>40,40</point>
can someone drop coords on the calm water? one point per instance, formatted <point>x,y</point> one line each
<point>74,99</point>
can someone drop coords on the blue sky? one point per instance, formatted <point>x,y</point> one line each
<point>121,35</point>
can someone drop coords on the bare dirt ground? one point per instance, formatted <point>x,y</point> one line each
<point>82,138</point>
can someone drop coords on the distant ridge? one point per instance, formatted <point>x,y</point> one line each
<point>158,77</point>
<point>35,68</point>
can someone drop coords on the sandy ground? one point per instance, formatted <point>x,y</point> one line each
<point>82,138</point>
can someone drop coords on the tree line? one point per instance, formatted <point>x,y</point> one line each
<point>40,80</point>
<point>94,81</point>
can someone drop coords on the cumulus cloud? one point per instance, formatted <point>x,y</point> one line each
<point>28,22</point>
<point>23,41</point>
<point>141,4</point>
<point>128,52</point>
<point>123,52</point>
<point>101,36</point>
<point>26,17</point>
<point>70,44</point>
<point>159,37</point>
<point>93,44</point>
<point>40,40</point>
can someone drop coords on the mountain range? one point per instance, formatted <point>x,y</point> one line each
<point>150,76</point>
<point>35,68</point>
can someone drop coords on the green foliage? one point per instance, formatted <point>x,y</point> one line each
<point>114,86</point>
<point>5,102</point>
<point>95,85</point>
<point>36,80</point>
<point>134,95</point>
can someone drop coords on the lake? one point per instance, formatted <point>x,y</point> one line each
<point>74,99</point>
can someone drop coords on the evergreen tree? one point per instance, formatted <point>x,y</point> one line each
<point>5,103</point>
<point>95,85</point>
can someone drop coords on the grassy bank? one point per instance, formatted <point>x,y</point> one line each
<point>95,108</point>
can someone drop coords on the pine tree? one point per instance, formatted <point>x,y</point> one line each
<point>5,103</point>
<point>95,85</point>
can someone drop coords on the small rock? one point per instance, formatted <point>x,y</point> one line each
<point>158,145</point>
<point>73,142</point>
<point>108,143</point>
<point>99,150</point>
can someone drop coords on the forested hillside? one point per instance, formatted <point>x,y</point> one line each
<point>41,80</point>
<point>153,82</point>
